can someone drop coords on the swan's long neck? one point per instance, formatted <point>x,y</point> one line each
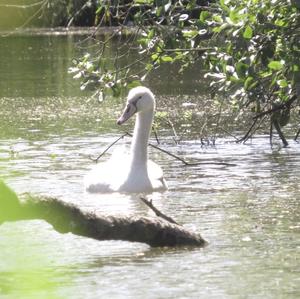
<point>140,139</point>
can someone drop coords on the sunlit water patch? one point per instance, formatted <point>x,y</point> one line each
<point>248,211</point>
<point>243,198</point>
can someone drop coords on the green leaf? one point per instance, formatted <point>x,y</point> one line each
<point>266,74</point>
<point>296,68</point>
<point>248,33</point>
<point>99,10</point>
<point>217,18</point>
<point>151,34</point>
<point>204,15</point>
<point>224,6</point>
<point>241,69</point>
<point>234,16</point>
<point>190,33</point>
<point>234,79</point>
<point>166,58</point>
<point>159,11</point>
<point>149,67</point>
<point>154,57</point>
<point>218,29</point>
<point>248,82</point>
<point>282,83</point>
<point>275,65</point>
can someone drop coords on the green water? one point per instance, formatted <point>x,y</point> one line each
<point>249,213</point>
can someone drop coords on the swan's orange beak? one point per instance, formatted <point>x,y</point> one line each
<point>129,110</point>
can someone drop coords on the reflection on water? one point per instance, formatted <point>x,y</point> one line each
<point>249,212</point>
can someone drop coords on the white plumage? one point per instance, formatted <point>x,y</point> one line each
<point>133,172</point>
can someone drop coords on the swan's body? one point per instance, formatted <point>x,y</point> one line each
<point>132,173</point>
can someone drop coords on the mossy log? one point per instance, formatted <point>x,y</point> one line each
<point>66,217</point>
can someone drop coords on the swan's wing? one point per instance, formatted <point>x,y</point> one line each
<point>107,176</point>
<point>97,179</point>
<point>154,170</point>
<point>120,153</point>
<point>156,176</point>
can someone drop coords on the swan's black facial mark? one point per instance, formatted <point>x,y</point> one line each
<point>130,109</point>
<point>134,103</point>
<point>127,109</point>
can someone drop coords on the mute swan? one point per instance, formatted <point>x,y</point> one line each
<point>132,173</point>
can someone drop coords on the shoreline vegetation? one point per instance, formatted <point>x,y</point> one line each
<point>64,31</point>
<point>247,50</point>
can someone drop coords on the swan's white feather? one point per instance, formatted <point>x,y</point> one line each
<point>130,172</point>
<point>109,176</point>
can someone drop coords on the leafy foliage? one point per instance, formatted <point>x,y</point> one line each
<point>257,50</point>
<point>249,48</point>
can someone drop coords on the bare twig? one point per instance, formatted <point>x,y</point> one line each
<point>156,136</point>
<point>175,138</point>
<point>297,135</point>
<point>271,134</point>
<point>250,133</point>
<point>246,136</point>
<point>184,161</point>
<point>112,144</point>
<point>84,6</point>
<point>229,134</point>
<point>164,151</point>
<point>156,211</point>
<point>280,133</point>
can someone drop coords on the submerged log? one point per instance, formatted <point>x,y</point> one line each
<point>66,217</point>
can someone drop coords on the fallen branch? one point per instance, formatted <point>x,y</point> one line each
<point>69,218</point>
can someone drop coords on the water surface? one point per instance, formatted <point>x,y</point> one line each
<point>248,212</point>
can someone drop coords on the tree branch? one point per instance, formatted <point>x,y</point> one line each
<point>184,161</point>
<point>111,145</point>
<point>277,108</point>
<point>297,135</point>
<point>162,150</point>
<point>66,217</point>
<point>156,211</point>
<point>280,133</point>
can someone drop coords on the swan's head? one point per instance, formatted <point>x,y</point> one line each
<point>140,99</point>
